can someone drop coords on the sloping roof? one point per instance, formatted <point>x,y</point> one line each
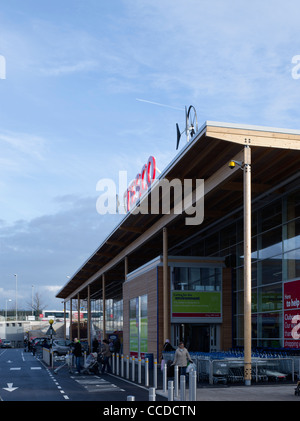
<point>275,159</point>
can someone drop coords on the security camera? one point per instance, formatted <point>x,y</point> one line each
<point>231,165</point>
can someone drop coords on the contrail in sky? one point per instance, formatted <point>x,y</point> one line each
<point>161,105</point>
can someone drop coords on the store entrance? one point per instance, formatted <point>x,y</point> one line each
<point>196,337</point>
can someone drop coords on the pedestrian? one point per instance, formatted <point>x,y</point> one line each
<point>117,345</point>
<point>111,346</point>
<point>77,351</point>
<point>167,346</point>
<point>95,344</point>
<point>182,357</point>
<point>106,356</point>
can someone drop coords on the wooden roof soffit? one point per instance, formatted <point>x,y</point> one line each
<point>266,139</point>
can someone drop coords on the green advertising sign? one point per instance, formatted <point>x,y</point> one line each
<point>196,304</point>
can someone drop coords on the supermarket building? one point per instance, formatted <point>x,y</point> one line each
<point>157,277</point>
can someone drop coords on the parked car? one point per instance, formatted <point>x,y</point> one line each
<point>61,346</point>
<point>5,343</point>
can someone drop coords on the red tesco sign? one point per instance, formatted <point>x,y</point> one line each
<point>141,183</point>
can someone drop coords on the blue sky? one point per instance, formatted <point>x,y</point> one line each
<point>69,114</point>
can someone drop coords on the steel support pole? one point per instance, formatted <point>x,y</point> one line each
<point>165,286</point>
<point>78,316</point>
<point>65,322</point>
<point>103,306</point>
<point>71,321</point>
<point>247,265</point>
<point>89,318</point>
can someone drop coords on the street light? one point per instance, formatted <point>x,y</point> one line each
<point>6,301</point>
<point>16,296</point>
<point>32,287</point>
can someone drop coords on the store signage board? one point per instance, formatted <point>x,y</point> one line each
<point>196,304</point>
<point>291,300</point>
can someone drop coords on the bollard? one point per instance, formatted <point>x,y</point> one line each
<point>130,398</point>
<point>182,388</point>
<point>176,381</point>
<point>122,365</point>
<point>113,363</point>
<point>190,384</point>
<point>139,370</point>
<point>155,374</point>
<point>165,378</point>
<point>133,368</point>
<point>117,364</point>
<point>146,372</point>
<point>170,390</point>
<point>127,367</point>
<point>152,395</point>
<point>193,386</point>
<point>84,358</point>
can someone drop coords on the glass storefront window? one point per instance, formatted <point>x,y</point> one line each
<point>291,263</point>
<point>197,279</point>
<point>270,243</point>
<point>270,298</point>
<point>270,270</point>
<point>292,235</point>
<point>138,324</point>
<point>270,325</point>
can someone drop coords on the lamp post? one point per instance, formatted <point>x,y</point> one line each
<point>6,301</point>
<point>16,276</point>
<point>32,287</point>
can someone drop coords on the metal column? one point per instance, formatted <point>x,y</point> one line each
<point>71,321</point>
<point>104,307</point>
<point>65,322</point>
<point>247,265</point>
<point>89,317</point>
<point>78,316</point>
<point>166,297</point>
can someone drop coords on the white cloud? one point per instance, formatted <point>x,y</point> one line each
<point>67,69</point>
<point>24,143</point>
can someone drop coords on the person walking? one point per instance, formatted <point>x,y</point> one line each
<point>106,356</point>
<point>78,354</point>
<point>95,344</point>
<point>182,357</point>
